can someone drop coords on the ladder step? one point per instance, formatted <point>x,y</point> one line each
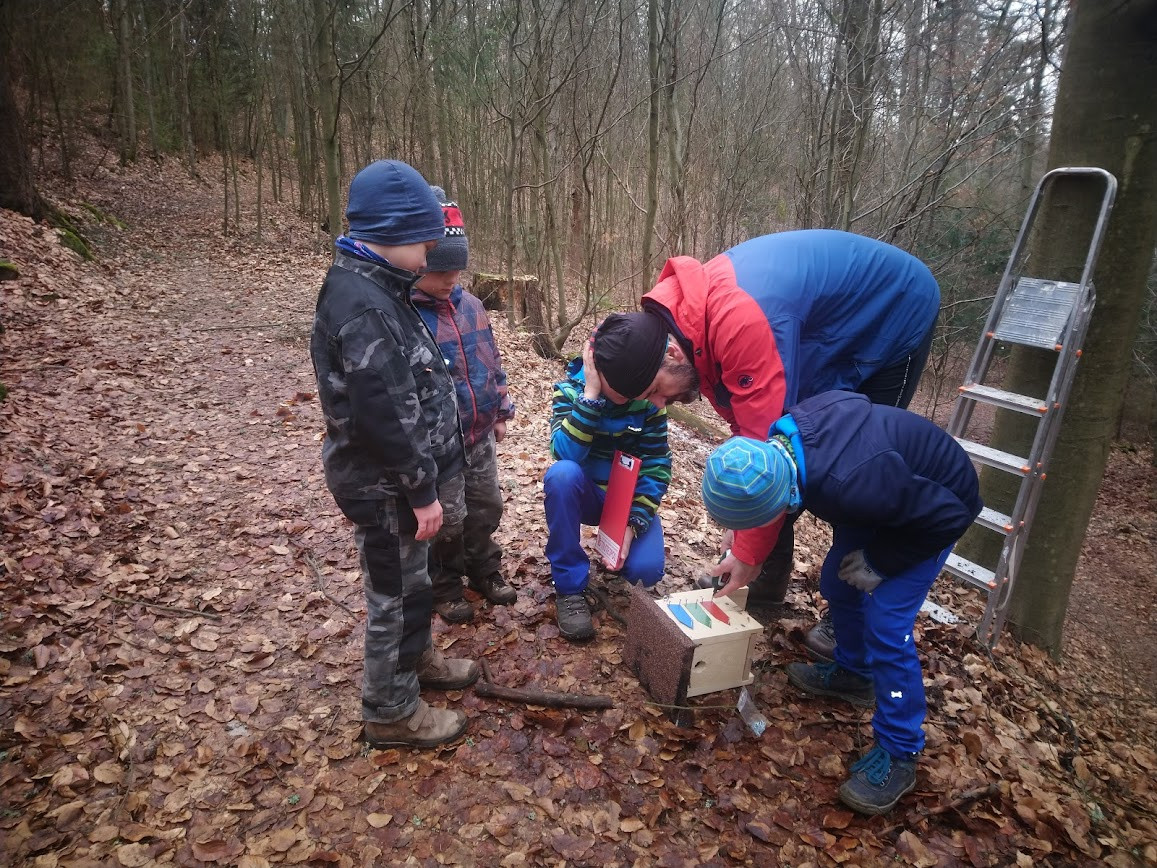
<point>1007,400</point>
<point>995,458</point>
<point>939,613</point>
<point>972,574</point>
<point>1036,312</point>
<point>994,520</point>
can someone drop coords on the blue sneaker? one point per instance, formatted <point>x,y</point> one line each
<point>831,679</point>
<point>878,781</point>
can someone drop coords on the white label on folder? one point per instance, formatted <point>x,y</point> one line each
<point>607,548</point>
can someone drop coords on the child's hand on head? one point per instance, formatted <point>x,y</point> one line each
<point>594,383</point>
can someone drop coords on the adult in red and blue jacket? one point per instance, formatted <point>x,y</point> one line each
<point>898,492</point>
<point>585,433</point>
<point>786,316</point>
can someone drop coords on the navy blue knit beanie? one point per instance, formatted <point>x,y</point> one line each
<point>391,204</point>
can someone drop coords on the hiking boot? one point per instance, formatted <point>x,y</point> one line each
<point>831,679</point>
<point>455,611</point>
<point>878,781</point>
<point>767,590</point>
<point>574,617</point>
<point>439,672</point>
<point>495,589</point>
<point>426,727</point>
<point>821,640</point>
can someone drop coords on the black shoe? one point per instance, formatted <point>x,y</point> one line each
<point>821,640</point>
<point>455,611</point>
<point>767,590</point>
<point>495,589</point>
<point>574,617</point>
<point>878,782</point>
<point>831,679</point>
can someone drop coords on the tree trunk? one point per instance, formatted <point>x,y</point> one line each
<point>327,82</point>
<point>147,79</point>
<point>127,117</point>
<point>17,188</point>
<point>181,52</point>
<point>1102,118</point>
<point>653,104</point>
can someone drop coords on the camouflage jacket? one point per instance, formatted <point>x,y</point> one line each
<point>391,417</point>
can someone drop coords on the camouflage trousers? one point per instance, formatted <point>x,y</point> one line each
<point>468,548</point>
<point>399,601</point>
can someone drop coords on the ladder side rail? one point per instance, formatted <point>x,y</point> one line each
<point>1107,200</point>
<point>995,613</point>
<point>1003,576</point>
<point>982,356</point>
<point>1062,382</point>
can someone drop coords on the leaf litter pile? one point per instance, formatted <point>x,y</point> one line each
<point>180,649</point>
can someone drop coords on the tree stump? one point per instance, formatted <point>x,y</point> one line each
<point>492,289</point>
<point>524,292</point>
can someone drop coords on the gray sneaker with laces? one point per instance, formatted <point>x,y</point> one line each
<point>831,679</point>
<point>878,781</point>
<point>574,617</point>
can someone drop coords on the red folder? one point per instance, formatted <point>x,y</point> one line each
<point>617,509</point>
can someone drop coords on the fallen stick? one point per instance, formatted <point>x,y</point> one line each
<point>321,586</point>
<point>234,328</point>
<point>601,595</point>
<point>960,801</point>
<point>549,699</point>
<point>127,601</point>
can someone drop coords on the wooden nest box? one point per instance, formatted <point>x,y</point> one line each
<point>675,660</point>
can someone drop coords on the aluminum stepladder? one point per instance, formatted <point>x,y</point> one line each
<point>1036,312</point>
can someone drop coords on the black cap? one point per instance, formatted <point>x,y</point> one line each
<point>629,350</point>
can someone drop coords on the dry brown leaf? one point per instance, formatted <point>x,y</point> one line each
<point>283,839</point>
<point>914,851</point>
<point>134,855</point>
<point>109,773</point>
<point>379,820</point>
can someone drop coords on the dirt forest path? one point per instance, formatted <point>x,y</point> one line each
<point>180,652</point>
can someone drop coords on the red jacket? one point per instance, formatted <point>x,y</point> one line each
<point>740,371</point>
<point>785,316</point>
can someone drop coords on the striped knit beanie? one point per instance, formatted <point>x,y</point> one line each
<point>453,251</point>
<point>747,483</point>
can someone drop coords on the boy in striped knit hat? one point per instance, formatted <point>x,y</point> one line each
<point>460,326</point>
<point>586,429</point>
<point>898,492</point>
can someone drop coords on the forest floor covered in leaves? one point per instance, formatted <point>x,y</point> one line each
<point>180,646</point>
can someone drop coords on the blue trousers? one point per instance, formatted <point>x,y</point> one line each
<point>572,500</point>
<point>874,638</point>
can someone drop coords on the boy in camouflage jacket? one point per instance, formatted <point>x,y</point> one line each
<point>393,450</point>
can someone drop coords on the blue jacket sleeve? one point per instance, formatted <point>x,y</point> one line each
<point>573,424</point>
<point>655,472</point>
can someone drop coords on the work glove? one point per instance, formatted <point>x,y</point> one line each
<point>857,572</point>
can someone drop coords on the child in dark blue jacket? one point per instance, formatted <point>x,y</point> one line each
<point>898,492</point>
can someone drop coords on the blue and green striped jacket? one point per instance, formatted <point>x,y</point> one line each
<point>590,436</point>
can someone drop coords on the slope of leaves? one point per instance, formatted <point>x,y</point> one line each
<point>180,648</point>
